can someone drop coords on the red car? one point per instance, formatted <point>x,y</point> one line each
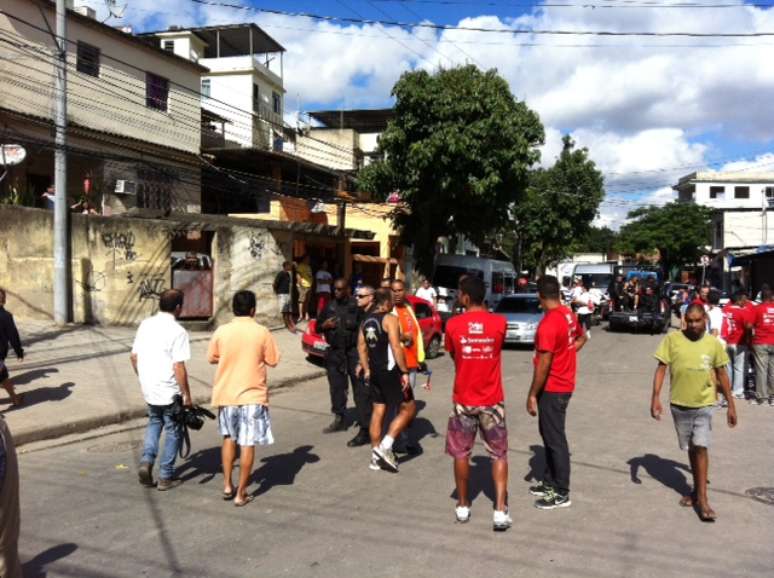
<point>429,321</point>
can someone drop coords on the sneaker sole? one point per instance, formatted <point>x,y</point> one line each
<point>500,527</point>
<point>566,504</point>
<point>538,494</point>
<point>383,461</point>
<point>374,467</point>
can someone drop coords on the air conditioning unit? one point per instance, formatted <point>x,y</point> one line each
<point>770,201</point>
<point>124,187</point>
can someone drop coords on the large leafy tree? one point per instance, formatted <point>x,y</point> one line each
<point>557,211</point>
<point>458,152</point>
<point>678,231</point>
<point>596,240</point>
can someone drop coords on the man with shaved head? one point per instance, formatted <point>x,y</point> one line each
<point>697,364</point>
<point>161,348</point>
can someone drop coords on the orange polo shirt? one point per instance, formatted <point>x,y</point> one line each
<point>242,349</point>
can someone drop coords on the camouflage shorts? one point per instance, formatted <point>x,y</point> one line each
<point>466,420</point>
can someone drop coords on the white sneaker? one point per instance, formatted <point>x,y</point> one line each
<point>462,513</point>
<point>501,521</point>
<point>374,464</point>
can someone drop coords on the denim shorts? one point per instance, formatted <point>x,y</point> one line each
<point>466,420</point>
<point>693,425</point>
<point>247,425</point>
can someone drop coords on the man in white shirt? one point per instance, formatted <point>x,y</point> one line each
<point>427,292</point>
<point>161,348</point>
<point>323,280</point>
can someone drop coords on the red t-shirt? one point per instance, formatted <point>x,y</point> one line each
<point>764,324</point>
<point>475,339</point>
<point>735,318</point>
<point>557,333</point>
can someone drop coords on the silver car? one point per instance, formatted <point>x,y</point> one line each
<point>523,313</point>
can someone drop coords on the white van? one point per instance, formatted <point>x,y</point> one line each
<point>498,276</point>
<point>596,275</point>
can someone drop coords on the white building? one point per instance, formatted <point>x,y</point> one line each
<point>244,85</point>
<point>133,116</point>
<point>727,190</point>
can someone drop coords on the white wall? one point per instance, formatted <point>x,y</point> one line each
<point>728,200</point>
<point>744,229</point>
<point>113,102</point>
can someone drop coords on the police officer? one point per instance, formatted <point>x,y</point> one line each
<point>339,324</point>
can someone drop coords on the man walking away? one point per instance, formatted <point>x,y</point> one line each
<point>282,287</point>
<point>322,281</point>
<point>384,365</point>
<point>734,331</point>
<point>161,348</point>
<point>8,335</point>
<point>10,566</point>
<point>339,324</point>
<point>474,340</point>
<point>763,349</point>
<point>696,362</point>
<point>558,339</point>
<point>242,349</point>
<point>581,301</point>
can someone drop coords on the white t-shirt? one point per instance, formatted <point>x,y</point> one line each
<point>160,342</point>
<point>715,321</point>
<point>428,294</point>
<point>323,281</point>
<point>580,295</point>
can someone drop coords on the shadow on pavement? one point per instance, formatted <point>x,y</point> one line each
<point>35,374</point>
<point>537,464</point>
<point>42,395</point>
<point>205,463</point>
<point>35,568</point>
<point>282,469</point>
<point>480,480</point>
<point>668,472</point>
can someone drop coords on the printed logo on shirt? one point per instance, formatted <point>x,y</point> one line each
<point>371,331</point>
<point>475,328</point>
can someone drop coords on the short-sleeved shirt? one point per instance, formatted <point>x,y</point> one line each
<point>323,279</point>
<point>242,349</point>
<point>407,323</point>
<point>764,324</point>
<point>692,367</point>
<point>428,294</point>
<point>304,273</point>
<point>556,334</point>
<point>734,320</point>
<point>475,339</point>
<point>715,321</point>
<point>160,343</point>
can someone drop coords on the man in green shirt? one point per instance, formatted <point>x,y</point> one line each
<point>696,362</point>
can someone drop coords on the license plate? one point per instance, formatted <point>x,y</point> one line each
<point>320,346</point>
<point>633,318</point>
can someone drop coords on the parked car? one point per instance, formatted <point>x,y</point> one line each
<point>499,277</point>
<point>314,344</point>
<point>522,313</point>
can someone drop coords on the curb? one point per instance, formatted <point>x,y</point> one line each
<point>90,423</point>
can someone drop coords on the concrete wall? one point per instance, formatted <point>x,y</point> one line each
<point>121,265</point>
<point>742,229</point>
<point>335,151</point>
<point>115,101</point>
<point>727,199</point>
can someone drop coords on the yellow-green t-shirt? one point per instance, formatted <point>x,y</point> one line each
<point>692,367</point>
<point>304,272</point>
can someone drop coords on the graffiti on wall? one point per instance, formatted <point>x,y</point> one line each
<point>257,247</point>
<point>121,245</point>
<point>151,288</point>
<point>93,282</point>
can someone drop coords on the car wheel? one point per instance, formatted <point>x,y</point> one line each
<point>434,348</point>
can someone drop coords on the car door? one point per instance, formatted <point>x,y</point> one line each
<point>424,315</point>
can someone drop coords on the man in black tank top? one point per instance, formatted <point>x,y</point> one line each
<point>384,364</point>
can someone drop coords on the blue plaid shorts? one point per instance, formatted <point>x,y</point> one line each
<point>248,425</point>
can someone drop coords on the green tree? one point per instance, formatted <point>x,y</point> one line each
<point>678,231</point>
<point>557,211</point>
<point>596,240</point>
<point>458,152</point>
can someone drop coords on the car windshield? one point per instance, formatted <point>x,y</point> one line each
<point>449,276</point>
<point>598,280</point>
<point>519,305</point>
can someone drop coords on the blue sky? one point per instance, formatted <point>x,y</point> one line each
<point>648,109</point>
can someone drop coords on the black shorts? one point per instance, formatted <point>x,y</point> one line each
<point>386,388</point>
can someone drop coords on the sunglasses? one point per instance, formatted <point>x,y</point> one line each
<point>363,295</point>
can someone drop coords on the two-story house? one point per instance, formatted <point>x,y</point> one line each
<point>133,111</point>
<point>743,214</point>
<point>244,82</point>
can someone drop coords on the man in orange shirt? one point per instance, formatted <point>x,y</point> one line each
<point>242,349</point>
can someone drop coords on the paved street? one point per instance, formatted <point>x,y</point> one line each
<point>320,512</point>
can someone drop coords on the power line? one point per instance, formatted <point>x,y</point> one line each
<point>589,5</point>
<point>444,27</point>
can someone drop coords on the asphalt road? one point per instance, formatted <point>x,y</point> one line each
<point>320,512</point>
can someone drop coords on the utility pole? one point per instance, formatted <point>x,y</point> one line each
<point>62,263</point>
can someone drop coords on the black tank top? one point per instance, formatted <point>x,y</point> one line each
<point>377,341</point>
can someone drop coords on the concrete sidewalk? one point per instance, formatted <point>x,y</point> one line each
<point>78,378</point>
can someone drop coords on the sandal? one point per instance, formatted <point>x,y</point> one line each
<point>229,495</point>
<point>246,501</point>
<point>707,515</point>
<point>688,501</point>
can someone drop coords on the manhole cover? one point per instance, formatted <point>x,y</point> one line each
<point>114,447</point>
<point>765,495</point>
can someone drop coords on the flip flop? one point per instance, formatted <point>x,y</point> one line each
<point>246,501</point>
<point>707,515</point>
<point>687,501</point>
<point>229,495</point>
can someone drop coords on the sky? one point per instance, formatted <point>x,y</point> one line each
<point>648,108</point>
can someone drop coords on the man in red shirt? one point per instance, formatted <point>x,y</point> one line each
<point>559,337</point>
<point>474,340</point>
<point>763,350</point>
<point>736,320</point>
<point>703,297</point>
